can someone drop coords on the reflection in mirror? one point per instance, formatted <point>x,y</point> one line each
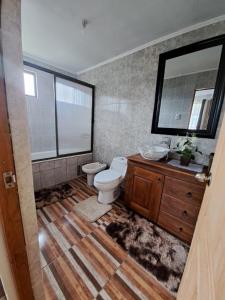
<point>188,88</point>
<point>201,107</point>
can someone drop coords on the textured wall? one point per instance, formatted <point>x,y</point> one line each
<point>125,96</point>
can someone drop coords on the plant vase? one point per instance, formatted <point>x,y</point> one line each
<point>184,161</point>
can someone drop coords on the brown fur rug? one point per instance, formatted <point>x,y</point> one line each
<point>153,248</point>
<point>51,195</point>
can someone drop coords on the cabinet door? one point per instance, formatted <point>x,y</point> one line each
<point>128,184</point>
<point>146,193</point>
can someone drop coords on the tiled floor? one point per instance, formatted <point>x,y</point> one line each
<point>80,261</point>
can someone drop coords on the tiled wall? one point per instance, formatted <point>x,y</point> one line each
<point>51,172</point>
<point>125,97</point>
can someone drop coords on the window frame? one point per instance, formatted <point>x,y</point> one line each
<point>72,79</point>
<point>35,83</point>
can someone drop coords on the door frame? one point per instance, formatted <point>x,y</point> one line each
<point>10,213</point>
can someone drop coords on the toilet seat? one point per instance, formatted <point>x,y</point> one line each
<point>107,176</point>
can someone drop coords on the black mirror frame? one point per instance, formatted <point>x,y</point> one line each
<point>218,97</point>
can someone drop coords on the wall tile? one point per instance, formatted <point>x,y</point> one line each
<point>60,163</point>
<point>84,159</point>
<point>35,167</point>
<point>37,181</point>
<point>71,172</point>
<point>60,175</point>
<point>47,165</point>
<point>47,178</point>
<point>72,160</point>
<point>56,171</point>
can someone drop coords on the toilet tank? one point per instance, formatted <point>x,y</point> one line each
<point>119,164</point>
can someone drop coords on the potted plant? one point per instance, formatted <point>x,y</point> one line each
<point>187,148</point>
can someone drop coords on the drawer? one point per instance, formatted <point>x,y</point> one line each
<point>183,210</point>
<point>193,193</point>
<point>176,226</point>
<point>147,174</point>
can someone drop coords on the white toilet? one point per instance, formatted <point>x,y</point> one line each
<point>91,170</point>
<point>108,181</point>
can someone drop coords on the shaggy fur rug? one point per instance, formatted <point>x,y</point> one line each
<point>153,248</point>
<point>54,194</point>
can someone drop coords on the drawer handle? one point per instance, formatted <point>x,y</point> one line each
<point>181,229</point>
<point>189,194</point>
<point>185,213</point>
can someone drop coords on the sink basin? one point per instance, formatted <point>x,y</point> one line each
<point>153,152</point>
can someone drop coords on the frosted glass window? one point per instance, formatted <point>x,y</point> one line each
<point>74,116</point>
<point>60,118</point>
<point>41,117</point>
<point>30,84</point>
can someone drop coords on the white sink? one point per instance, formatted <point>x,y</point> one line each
<point>153,152</point>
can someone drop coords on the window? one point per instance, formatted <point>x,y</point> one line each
<point>60,122</point>
<point>30,84</point>
<point>41,118</point>
<point>74,116</point>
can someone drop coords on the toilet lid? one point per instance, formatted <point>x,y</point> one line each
<point>107,176</point>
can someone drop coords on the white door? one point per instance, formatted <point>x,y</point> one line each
<point>204,275</point>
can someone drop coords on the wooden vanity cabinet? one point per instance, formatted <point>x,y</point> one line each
<point>146,191</point>
<point>170,197</point>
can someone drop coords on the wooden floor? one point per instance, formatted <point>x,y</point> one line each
<point>80,261</point>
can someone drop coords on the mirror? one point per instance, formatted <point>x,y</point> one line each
<point>190,89</point>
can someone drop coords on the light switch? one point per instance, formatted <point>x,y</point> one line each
<point>178,117</point>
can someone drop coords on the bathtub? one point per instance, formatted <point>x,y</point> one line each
<point>52,153</point>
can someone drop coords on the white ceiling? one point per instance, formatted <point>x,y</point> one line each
<point>52,30</point>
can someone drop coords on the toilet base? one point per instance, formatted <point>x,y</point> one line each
<point>107,197</point>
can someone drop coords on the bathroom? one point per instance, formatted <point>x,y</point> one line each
<point>114,207</point>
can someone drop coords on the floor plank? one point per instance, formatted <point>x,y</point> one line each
<point>81,261</point>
